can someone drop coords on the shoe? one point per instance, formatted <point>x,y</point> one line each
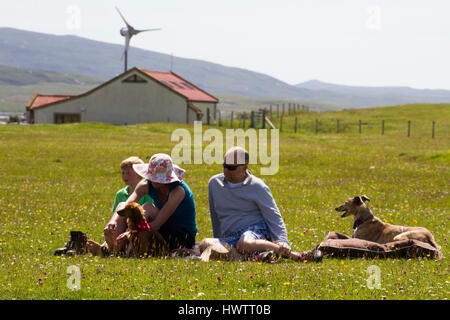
<point>310,256</point>
<point>76,244</point>
<point>266,256</point>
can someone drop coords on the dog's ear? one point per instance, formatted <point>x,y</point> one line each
<point>365,198</point>
<point>123,212</point>
<point>357,200</point>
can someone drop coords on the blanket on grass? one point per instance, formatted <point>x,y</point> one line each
<point>342,246</point>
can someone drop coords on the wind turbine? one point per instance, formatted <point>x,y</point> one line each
<point>128,32</point>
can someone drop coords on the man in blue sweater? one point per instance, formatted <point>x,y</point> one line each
<point>244,214</point>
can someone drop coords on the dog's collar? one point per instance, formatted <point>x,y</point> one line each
<point>360,221</point>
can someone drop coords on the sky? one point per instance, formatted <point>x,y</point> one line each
<point>350,42</point>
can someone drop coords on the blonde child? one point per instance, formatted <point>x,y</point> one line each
<point>117,224</point>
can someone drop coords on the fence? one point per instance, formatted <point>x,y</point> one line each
<point>300,119</point>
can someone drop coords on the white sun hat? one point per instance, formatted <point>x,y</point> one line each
<point>160,169</point>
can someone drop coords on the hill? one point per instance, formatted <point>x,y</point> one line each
<point>380,95</point>
<point>76,55</point>
<point>18,85</point>
<point>22,77</point>
<point>72,54</point>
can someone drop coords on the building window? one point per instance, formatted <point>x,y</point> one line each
<point>67,117</point>
<point>134,79</point>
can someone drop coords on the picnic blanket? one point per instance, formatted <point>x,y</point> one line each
<point>338,245</point>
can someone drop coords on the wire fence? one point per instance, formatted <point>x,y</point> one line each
<point>302,120</point>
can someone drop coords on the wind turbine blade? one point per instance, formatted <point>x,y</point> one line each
<point>128,25</point>
<point>155,29</point>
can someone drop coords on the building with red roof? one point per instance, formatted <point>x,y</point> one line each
<point>135,96</point>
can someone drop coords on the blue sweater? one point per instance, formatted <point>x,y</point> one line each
<point>251,203</point>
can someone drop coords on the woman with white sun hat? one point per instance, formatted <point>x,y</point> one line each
<point>173,212</point>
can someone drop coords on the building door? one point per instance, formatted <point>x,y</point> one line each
<point>67,118</point>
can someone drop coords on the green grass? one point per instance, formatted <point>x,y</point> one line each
<point>57,178</point>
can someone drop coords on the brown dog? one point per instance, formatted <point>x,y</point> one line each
<point>145,242</point>
<point>370,228</point>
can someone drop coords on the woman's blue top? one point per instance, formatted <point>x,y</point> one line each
<point>184,214</point>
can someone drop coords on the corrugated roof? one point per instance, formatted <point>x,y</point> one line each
<point>40,100</point>
<point>180,85</point>
<point>169,79</point>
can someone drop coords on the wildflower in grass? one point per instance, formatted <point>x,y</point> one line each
<point>251,276</point>
<point>219,278</point>
<point>404,271</point>
<point>286,283</point>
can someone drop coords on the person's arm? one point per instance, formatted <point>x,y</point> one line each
<point>272,216</point>
<point>175,197</point>
<point>140,190</point>
<point>214,219</point>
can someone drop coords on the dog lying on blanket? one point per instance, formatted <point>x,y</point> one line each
<point>368,227</point>
<point>144,241</point>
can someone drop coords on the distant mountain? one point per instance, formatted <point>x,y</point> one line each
<point>25,49</point>
<point>398,95</point>
<point>76,55</point>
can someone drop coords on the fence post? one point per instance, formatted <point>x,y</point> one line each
<point>281,123</point>
<point>264,118</point>
<point>432,131</point>
<point>231,120</point>
<point>295,128</point>
<point>207,116</point>
<point>270,111</point>
<point>283,110</point>
<point>382,126</point>
<point>220,118</point>
<point>317,126</point>
<point>337,126</point>
<point>359,126</point>
<point>252,119</point>
<point>409,128</point>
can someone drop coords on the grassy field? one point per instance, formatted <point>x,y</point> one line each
<point>57,178</point>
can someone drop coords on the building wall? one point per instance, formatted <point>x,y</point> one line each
<point>124,103</point>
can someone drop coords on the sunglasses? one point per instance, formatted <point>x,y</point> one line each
<point>231,167</point>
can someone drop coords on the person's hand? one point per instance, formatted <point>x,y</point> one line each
<point>284,249</point>
<point>150,211</point>
<point>111,226</point>
<point>121,241</point>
